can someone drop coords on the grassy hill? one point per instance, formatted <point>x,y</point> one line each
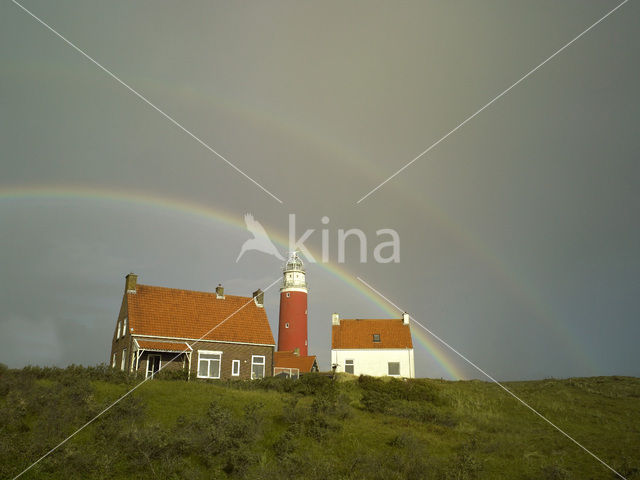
<point>315,428</point>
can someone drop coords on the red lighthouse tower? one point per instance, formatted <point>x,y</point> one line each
<point>292,329</point>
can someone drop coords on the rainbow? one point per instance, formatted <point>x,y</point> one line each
<point>431,346</point>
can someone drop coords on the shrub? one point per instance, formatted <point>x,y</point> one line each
<point>410,399</point>
<point>308,384</point>
<point>554,472</point>
<point>315,384</point>
<point>376,402</point>
<point>409,389</point>
<point>421,412</point>
<point>219,438</point>
<point>318,419</point>
<point>465,466</point>
<point>404,440</point>
<point>172,374</point>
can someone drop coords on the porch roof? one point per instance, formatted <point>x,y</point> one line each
<point>160,346</point>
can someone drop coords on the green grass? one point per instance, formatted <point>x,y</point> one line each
<point>316,428</point>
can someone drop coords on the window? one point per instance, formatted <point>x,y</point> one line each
<point>123,364</point>
<point>113,361</point>
<point>257,366</point>
<point>235,368</point>
<point>348,366</point>
<point>153,365</point>
<point>394,368</point>
<point>118,331</point>
<point>376,338</point>
<point>209,364</point>
<point>124,326</point>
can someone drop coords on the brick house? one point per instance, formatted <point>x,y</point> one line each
<point>210,335</point>
<point>375,347</point>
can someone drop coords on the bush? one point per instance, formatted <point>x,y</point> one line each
<point>421,412</point>
<point>219,438</point>
<point>172,374</point>
<point>465,466</point>
<point>554,472</point>
<point>315,384</point>
<point>394,389</point>
<point>405,440</point>
<point>415,400</point>
<point>316,420</point>
<point>376,402</point>
<point>98,372</point>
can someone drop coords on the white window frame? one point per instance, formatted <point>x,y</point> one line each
<point>235,368</point>
<point>113,361</point>
<point>151,374</point>
<point>209,360</point>
<point>263,364</point>
<point>123,361</point>
<point>124,326</point>
<point>118,330</point>
<point>350,363</point>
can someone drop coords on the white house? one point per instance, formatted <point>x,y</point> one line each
<point>375,347</point>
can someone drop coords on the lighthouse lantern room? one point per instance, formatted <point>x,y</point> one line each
<point>292,328</point>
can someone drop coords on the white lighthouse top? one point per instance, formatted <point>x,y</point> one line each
<point>294,275</point>
<point>294,263</point>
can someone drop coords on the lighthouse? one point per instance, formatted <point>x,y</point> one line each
<point>292,328</point>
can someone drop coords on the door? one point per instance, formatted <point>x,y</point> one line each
<point>153,365</point>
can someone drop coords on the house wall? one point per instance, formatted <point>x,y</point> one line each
<point>167,362</point>
<point>118,344</point>
<point>374,362</point>
<point>230,352</point>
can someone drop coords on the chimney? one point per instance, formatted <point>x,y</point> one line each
<point>131,283</point>
<point>405,318</point>
<point>220,292</point>
<point>296,351</point>
<point>258,297</point>
<point>335,319</point>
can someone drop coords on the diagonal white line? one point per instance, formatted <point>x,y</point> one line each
<point>504,92</point>
<point>148,102</point>
<point>494,380</point>
<point>131,390</point>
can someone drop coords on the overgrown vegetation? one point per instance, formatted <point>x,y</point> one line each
<point>313,428</point>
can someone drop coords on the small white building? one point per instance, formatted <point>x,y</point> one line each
<point>375,347</point>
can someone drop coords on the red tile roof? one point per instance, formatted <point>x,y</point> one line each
<point>163,346</point>
<point>356,333</point>
<point>290,360</point>
<point>171,312</point>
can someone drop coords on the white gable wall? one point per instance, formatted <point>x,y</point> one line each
<point>374,361</point>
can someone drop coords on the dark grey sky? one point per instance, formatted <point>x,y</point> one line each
<point>520,240</point>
